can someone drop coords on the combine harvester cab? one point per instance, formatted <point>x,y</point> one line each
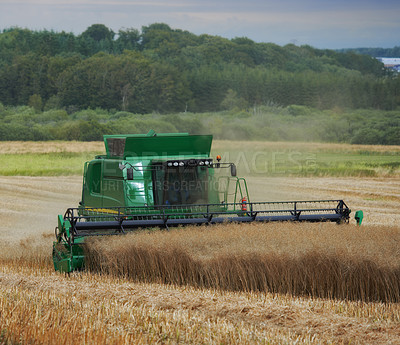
<point>165,180</point>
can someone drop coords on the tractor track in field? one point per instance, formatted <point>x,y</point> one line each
<point>28,205</point>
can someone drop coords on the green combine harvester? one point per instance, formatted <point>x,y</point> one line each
<point>162,180</point>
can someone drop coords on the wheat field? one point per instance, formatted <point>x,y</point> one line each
<point>230,284</point>
<point>40,306</point>
<point>316,260</point>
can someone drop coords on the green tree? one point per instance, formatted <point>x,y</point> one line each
<point>128,39</point>
<point>35,101</point>
<point>233,101</point>
<point>99,32</point>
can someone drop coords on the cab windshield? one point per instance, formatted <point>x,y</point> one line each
<point>180,185</point>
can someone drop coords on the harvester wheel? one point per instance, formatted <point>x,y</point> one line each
<point>56,233</point>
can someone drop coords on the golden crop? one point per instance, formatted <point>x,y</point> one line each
<point>316,260</point>
<point>125,301</point>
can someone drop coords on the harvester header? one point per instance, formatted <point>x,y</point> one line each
<point>163,180</point>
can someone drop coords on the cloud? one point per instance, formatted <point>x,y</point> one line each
<point>322,23</point>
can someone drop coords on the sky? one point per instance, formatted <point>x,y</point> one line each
<point>331,24</point>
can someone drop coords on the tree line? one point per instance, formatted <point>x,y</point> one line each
<point>160,69</point>
<point>267,122</point>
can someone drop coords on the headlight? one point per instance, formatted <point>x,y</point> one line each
<point>201,163</point>
<point>206,162</point>
<point>176,164</point>
<point>181,164</point>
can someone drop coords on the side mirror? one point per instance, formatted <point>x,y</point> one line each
<point>129,173</point>
<point>233,170</point>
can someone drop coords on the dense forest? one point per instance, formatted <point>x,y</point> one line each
<point>53,83</point>
<point>164,70</point>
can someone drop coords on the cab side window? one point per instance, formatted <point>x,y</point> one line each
<point>95,182</point>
